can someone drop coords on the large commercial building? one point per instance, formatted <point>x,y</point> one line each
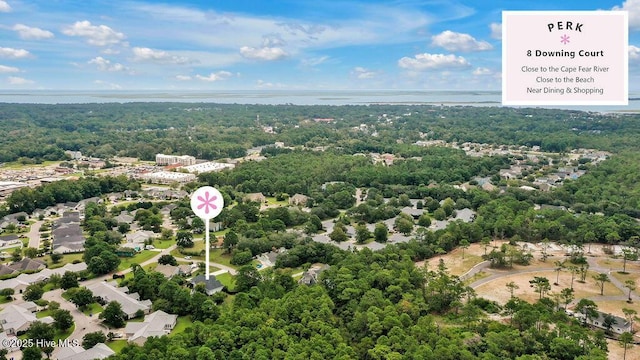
<point>167,177</point>
<point>208,167</point>
<point>184,160</point>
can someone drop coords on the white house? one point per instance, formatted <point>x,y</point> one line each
<point>157,324</point>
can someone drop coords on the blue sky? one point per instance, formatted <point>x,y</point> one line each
<point>246,45</point>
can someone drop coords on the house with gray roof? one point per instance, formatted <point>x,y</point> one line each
<point>310,277</point>
<point>98,351</point>
<point>212,285</point>
<point>68,237</point>
<point>16,319</point>
<point>28,264</point>
<point>124,217</point>
<point>157,324</point>
<point>130,303</point>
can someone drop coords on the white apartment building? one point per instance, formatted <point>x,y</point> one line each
<point>162,159</point>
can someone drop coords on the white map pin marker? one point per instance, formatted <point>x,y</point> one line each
<point>207,203</point>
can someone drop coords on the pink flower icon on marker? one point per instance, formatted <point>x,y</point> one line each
<point>564,39</point>
<point>207,202</point>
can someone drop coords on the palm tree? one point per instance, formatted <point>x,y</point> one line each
<point>631,285</point>
<point>512,287</point>
<point>567,296</point>
<point>541,285</point>
<point>626,338</point>
<point>630,315</point>
<point>601,279</point>
<point>559,266</point>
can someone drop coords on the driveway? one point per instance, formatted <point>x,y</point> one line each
<point>84,323</point>
<point>34,234</point>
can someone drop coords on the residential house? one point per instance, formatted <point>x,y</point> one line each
<point>310,277</point>
<point>140,237</point>
<point>6,270</point>
<point>255,197</point>
<point>212,285</point>
<point>124,217</point>
<point>410,210</point>
<point>7,241</point>
<point>167,270</point>
<point>130,303</point>
<point>82,204</point>
<point>298,200</point>
<point>269,259</point>
<point>98,351</point>
<point>9,342</point>
<point>20,283</point>
<point>157,324</point>
<point>28,264</point>
<point>16,319</point>
<point>67,236</point>
<point>619,325</point>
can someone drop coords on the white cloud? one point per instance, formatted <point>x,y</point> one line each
<point>634,53</point>
<point>8,69</point>
<point>633,7</point>
<point>4,7</point>
<point>183,77</point>
<point>481,71</point>
<point>265,53</point>
<point>110,51</point>
<point>311,62</point>
<point>362,73</point>
<point>363,24</point>
<point>14,80</point>
<point>421,62</point>
<point>218,76</point>
<point>13,53</point>
<point>105,65</point>
<point>496,30</point>
<point>31,33</point>
<point>454,41</point>
<point>100,35</point>
<point>157,56</point>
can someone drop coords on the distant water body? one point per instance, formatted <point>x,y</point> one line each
<point>338,97</point>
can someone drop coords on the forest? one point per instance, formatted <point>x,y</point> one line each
<point>214,131</point>
<point>367,305</point>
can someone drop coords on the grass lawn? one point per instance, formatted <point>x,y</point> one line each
<point>271,201</point>
<point>17,166</point>
<point>221,257</point>
<point>181,325</point>
<point>43,313</point>
<point>4,300</point>
<point>117,345</point>
<point>66,259</point>
<point>61,335</point>
<point>221,232</point>
<point>635,277</point>
<point>93,308</point>
<point>162,244</point>
<point>139,258</point>
<point>197,247</point>
<point>227,280</point>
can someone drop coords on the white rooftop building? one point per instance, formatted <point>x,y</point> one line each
<point>162,159</point>
<point>208,167</point>
<point>167,177</point>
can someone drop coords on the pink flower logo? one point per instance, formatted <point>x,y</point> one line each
<point>207,202</point>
